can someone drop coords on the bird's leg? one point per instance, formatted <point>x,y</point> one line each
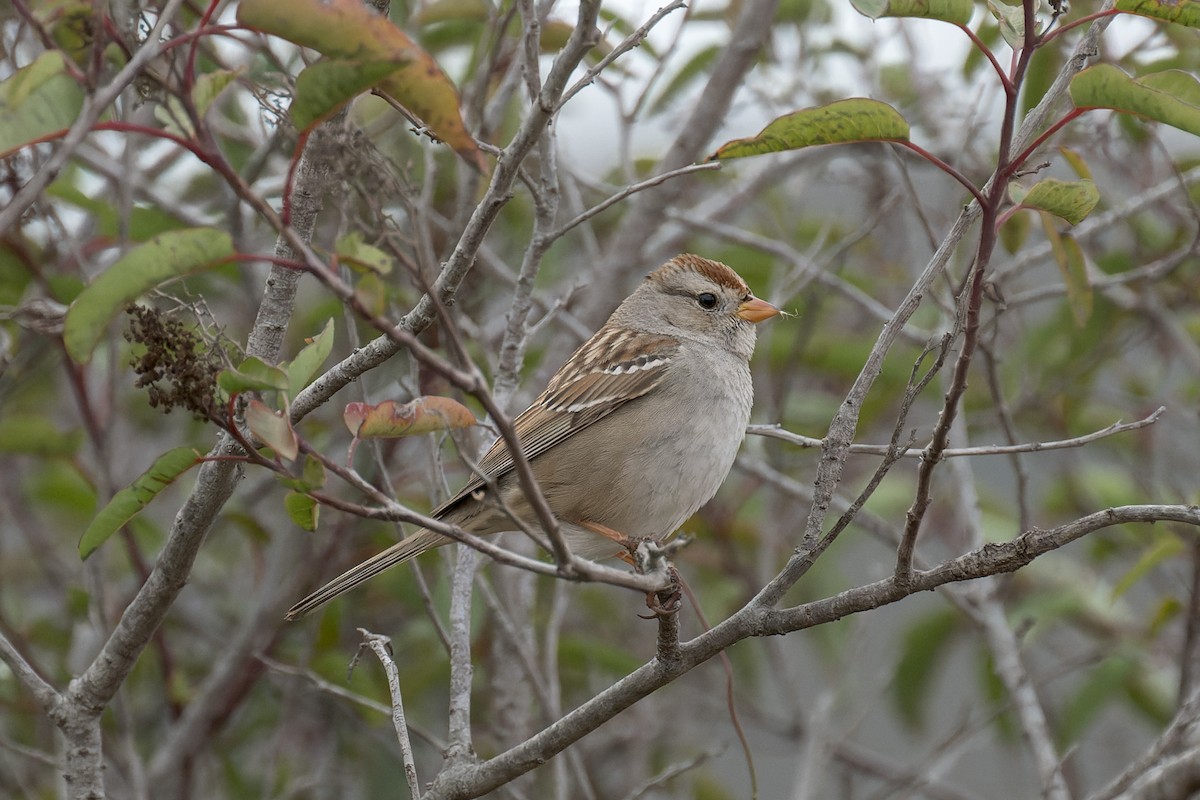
<point>641,554</point>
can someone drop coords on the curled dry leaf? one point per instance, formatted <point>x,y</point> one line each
<point>420,415</point>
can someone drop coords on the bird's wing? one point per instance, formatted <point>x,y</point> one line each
<point>610,369</point>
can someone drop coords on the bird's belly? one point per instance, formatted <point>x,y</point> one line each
<point>657,483</point>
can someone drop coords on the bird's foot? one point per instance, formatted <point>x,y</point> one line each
<point>665,602</point>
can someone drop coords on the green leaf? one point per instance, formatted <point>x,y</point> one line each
<point>144,222</point>
<point>36,101</point>
<point>209,86</point>
<point>132,499</point>
<point>1069,257</point>
<point>330,83</point>
<point>1071,200</point>
<point>253,375</point>
<point>693,70</point>
<point>1103,684</point>
<point>347,29</point>
<point>1167,546</point>
<point>924,647</point>
<point>1077,162</point>
<point>1181,12</point>
<point>354,252</point>
<point>272,429</point>
<point>855,120</point>
<point>1014,232</point>
<point>30,435</point>
<point>420,415</point>
<point>312,477</point>
<point>306,363</point>
<point>303,510</point>
<point>165,257</point>
<point>1012,22</point>
<point>1171,97</point>
<point>955,11</point>
<point>452,11</point>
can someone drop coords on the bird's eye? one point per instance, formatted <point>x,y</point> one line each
<point>707,300</point>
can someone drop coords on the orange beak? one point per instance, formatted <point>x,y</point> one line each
<point>755,310</point>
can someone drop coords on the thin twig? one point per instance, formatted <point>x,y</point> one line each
<point>382,647</point>
<point>775,431</point>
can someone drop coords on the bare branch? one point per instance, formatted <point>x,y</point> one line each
<point>381,646</point>
<point>775,431</point>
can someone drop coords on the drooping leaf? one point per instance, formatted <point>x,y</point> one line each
<point>328,84</point>
<point>132,499</point>
<point>1181,12</point>
<point>253,375</point>
<point>303,510</point>
<point>37,100</point>
<point>31,435</point>
<point>691,71</point>
<point>209,86</point>
<point>1069,257</point>
<point>306,363</point>
<point>420,415</point>
<point>924,648</point>
<point>272,429</point>
<point>1166,546</point>
<point>857,119</point>
<point>347,29</point>
<point>1014,231</point>
<point>1012,22</point>
<point>1077,162</point>
<point>141,223</point>
<point>165,257</point>
<point>372,293</point>
<point>1171,97</point>
<point>1071,200</point>
<point>312,476</point>
<point>1105,683</point>
<point>353,251</point>
<point>452,11</point>
<point>955,11</point>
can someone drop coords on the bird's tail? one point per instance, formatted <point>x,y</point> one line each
<point>398,553</point>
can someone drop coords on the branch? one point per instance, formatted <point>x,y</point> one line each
<point>755,619</point>
<point>776,431</point>
<point>382,647</point>
<point>94,105</point>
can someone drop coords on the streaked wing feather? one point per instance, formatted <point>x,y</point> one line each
<point>599,378</point>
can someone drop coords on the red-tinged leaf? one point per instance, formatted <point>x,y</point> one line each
<point>421,415</point>
<point>132,499</point>
<point>347,29</point>
<point>272,429</point>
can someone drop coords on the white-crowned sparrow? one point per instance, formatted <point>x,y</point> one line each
<point>633,434</point>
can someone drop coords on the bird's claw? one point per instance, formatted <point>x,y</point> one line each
<point>665,602</point>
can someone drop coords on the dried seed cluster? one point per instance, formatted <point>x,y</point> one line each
<point>177,369</point>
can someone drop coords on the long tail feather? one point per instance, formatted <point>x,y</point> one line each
<point>398,553</point>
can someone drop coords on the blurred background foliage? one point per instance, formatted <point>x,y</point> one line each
<point>904,699</point>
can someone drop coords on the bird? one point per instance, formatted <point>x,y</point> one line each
<point>632,435</point>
